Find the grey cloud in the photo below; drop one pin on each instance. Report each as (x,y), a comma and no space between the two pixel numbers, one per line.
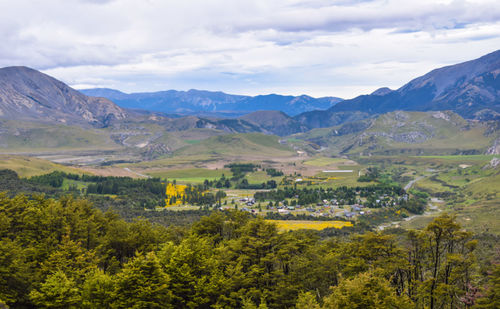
(335,18)
(236,45)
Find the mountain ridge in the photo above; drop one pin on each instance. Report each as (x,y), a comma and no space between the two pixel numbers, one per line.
(195,101)
(28,94)
(471,89)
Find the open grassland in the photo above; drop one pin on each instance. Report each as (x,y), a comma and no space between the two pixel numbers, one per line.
(335,179)
(36,137)
(172,162)
(238,145)
(292,225)
(427,164)
(325,161)
(481,216)
(488,186)
(193,175)
(432,187)
(261,176)
(462,158)
(30,166)
(178,139)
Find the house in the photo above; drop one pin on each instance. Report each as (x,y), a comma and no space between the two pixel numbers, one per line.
(348,214)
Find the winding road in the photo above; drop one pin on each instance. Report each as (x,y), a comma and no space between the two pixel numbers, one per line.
(411,183)
(138,174)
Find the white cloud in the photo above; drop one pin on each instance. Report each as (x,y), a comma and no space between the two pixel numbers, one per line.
(341,48)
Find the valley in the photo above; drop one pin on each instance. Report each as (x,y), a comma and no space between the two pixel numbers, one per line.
(360,178)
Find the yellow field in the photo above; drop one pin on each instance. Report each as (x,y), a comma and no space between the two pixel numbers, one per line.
(292,225)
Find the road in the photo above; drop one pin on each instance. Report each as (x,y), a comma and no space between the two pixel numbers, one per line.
(411,183)
(433,209)
(138,174)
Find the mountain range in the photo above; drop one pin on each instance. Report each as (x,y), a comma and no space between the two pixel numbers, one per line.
(471,89)
(213,103)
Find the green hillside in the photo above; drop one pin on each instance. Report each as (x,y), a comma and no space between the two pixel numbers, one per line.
(30,166)
(409,133)
(247,144)
(30,136)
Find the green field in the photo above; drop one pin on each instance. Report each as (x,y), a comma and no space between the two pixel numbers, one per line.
(193,175)
(324,161)
(260,177)
(462,157)
(241,145)
(30,166)
(28,137)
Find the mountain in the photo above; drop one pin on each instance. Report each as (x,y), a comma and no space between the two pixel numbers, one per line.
(471,89)
(26,94)
(275,122)
(224,125)
(200,101)
(409,133)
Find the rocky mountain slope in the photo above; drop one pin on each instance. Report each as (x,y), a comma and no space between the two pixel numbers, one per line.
(275,122)
(409,133)
(198,101)
(26,94)
(471,89)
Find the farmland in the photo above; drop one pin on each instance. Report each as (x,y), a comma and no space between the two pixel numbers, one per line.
(292,225)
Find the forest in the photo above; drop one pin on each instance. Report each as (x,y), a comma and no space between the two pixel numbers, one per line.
(65,253)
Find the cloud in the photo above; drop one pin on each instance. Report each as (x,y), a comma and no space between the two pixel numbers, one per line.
(317,47)
(369,15)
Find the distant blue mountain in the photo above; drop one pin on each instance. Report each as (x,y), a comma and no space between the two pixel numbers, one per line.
(199,101)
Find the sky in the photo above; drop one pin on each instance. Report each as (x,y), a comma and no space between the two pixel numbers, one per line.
(337,48)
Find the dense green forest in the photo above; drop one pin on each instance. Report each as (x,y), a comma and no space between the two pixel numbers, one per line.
(147,193)
(65,253)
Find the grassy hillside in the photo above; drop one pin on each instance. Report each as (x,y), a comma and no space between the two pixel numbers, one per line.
(30,166)
(191,175)
(409,133)
(178,139)
(248,144)
(29,136)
